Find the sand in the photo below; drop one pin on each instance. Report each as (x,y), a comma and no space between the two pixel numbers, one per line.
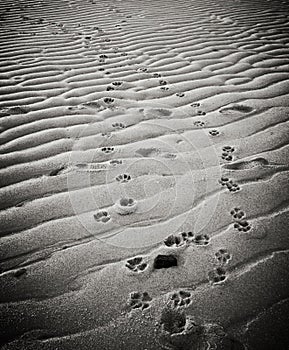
(144,175)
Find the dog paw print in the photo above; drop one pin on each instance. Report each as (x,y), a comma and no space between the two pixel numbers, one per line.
(136,264)
(217,276)
(117,83)
(201,239)
(102,216)
(230,184)
(180,94)
(101,69)
(107,150)
(214,132)
(126,206)
(237,213)
(156,75)
(163,82)
(118,125)
(242,225)
(195,104)
(123,54)
(142,70)
(106,134)
(223,256)
(108,100)
(139,300)
(164,88)
(181,299)
(201,113)
(123,178)
(227,153)
(174,241)
(199,123)
(115,162)
(109,88)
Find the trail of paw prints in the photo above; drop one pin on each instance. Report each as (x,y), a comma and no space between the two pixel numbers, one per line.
(102,217)
(199,111)
(223,256)
(230,184)
(218,275)
(240,222)
(136,264)
(227,153)
(187,238)
(123,178)
(181,299)
(138,300)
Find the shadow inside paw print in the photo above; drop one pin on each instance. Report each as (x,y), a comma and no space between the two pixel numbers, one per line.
(223,256)
(227,153)
(214,132)
(136,264)
(180,299)
(107,149)
(108,100)
(199,123)
(123,178)
(218,275)
(118,126)
(139,300)
(180,94)
(102,216)
(231,186)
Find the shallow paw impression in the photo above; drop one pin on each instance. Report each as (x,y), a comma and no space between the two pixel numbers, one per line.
(118,125)
(108,100)
(165,261)
(186,238)
(240,223)
(123,178)
(223,256)
(139,300)
(230,184)
(199,123)
(218,275)
(102,216)
(201,239)
(227,153)
(107,149)
(180,94)
(136,264)
(214,132)
(181,298)
(126,206)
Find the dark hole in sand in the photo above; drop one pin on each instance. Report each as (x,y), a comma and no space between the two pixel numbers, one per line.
(165,261)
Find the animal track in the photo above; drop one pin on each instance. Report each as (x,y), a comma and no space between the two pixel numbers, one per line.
(195,104)
(240,224)
(142,69)
(218,275)
(227,153)
(118,125)
(115,162)
(164,88)
(163,82)
(180,94)
(214,132)
(186,238)
(231,186)
(125,206)
(123,178)
(223,256)
(199,123)
(201,113)
(108,100)
(109,88)
(102,216)
(117,83)
(139,300)
(107,149)
(136,264)
(156,75)
(180,299)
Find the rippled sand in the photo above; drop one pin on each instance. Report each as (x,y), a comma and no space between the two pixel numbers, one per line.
(144,175)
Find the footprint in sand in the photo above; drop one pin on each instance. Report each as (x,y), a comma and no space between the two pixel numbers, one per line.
(102,216)
(187,238)
(230,184)
(117,83)
(108,100)
(214,132)
(217,276)
(110,88)
(138,300)
(156,75)
(115,162)
(180,94)
(163,82)
(136,264)
(223,256)
(201,113)
(181,299)
(123,178)
(227,153)
(126,206)
(240,223)
(199,123)
(118,126)
(195,104)
(164,88)
(107,150)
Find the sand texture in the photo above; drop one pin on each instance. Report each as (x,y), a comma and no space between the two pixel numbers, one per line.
(144,163)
